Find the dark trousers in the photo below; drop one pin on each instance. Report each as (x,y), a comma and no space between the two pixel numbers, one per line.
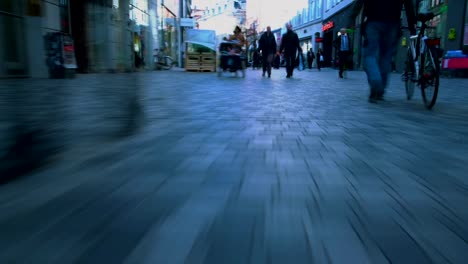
(266,63)
(343,57)
(290,61)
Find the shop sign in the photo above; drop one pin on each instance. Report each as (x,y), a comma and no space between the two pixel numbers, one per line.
(329,25)
(68,51)
(187,22)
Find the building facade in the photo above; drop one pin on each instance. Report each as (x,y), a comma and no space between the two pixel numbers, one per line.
(308,24)
(336,16)
(23,25)
(109,35)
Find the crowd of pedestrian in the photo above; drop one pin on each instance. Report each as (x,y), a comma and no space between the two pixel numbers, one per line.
(380,30)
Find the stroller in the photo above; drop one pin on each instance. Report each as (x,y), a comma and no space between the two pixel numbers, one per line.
(231,58)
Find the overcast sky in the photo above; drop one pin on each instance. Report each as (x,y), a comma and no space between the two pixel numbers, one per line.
(274,13)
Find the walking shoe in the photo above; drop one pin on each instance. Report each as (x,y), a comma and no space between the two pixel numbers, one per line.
(372,99)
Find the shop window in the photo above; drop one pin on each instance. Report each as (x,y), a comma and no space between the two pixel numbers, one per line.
(7,6)
(465,37)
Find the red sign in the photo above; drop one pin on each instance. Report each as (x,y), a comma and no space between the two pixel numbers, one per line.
(318,40)
(68,48)
(329,25)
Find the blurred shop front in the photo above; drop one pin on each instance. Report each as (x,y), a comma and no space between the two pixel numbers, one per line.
(23,25)
(12,38)
(169,29)
(140,20)
(331,30)
(112,36)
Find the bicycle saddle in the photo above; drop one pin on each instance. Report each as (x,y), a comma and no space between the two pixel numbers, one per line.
(424,17)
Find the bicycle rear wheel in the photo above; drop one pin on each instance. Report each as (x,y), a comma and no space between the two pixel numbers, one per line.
(430,77)
(409,76)
(166,63)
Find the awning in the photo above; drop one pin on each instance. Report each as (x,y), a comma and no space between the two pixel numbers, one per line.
(211,46)
(206,38)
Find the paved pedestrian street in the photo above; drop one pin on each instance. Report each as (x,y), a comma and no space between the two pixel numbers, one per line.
(247,170)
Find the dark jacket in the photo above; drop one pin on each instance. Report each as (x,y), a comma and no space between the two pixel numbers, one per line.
(337,43)
(267,43)
(310,56)
(290,43)
(383,10)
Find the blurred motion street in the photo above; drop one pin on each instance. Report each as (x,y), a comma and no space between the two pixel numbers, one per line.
(186,167)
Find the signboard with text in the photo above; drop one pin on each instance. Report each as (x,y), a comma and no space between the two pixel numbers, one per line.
(327,26)
(187,22)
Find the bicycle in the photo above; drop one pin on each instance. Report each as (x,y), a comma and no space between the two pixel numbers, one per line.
(162,61)
(423,63)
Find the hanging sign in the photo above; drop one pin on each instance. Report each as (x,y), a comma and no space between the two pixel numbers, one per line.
(329,25)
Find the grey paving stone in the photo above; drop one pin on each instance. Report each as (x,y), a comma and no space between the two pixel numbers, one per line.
(233,170)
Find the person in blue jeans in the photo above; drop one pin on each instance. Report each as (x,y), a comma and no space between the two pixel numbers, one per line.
(380,29)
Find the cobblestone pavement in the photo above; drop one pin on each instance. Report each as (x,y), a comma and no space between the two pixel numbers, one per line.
(254,170)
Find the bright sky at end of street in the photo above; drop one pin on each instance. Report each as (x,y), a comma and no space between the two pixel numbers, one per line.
(274,13)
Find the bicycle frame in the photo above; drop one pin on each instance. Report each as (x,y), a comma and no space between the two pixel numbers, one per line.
(423,66)
(417,48)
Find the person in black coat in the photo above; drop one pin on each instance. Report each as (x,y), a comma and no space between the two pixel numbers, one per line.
(267,45)
(310,57)
(343,46)
(289,48)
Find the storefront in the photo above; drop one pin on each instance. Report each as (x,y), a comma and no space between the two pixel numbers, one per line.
(327,42)
(465,38)
(330,30)
(12,39)
(306,44)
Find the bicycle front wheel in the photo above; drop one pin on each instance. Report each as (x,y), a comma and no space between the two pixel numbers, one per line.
(430,77)
(166,63)
(409,76)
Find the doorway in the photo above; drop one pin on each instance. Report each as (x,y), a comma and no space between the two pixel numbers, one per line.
(12,45)
(328,48)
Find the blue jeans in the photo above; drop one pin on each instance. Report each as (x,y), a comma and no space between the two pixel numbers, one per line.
(379,45)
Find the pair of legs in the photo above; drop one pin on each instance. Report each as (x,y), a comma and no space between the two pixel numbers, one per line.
(343,57)
(289,65)
(379,45)
(267,61)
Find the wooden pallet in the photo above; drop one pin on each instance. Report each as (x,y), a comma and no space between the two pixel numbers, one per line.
(200,62)
(211,69)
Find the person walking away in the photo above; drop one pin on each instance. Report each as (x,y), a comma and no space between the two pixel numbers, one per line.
(310,57)
(381,27)
(343,47)
(289,48)
(320,58)
(267,45)
(256,60)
